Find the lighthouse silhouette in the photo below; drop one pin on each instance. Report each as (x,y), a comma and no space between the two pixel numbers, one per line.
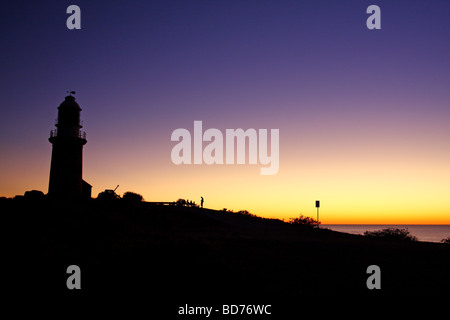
(66,171)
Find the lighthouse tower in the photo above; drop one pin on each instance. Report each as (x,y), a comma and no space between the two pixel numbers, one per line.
(66,182)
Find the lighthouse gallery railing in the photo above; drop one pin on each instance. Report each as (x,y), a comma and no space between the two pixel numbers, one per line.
(54,133)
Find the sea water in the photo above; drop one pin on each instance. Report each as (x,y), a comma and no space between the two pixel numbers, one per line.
(430,233)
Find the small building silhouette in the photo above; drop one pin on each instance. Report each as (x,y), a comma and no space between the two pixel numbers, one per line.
(66,170)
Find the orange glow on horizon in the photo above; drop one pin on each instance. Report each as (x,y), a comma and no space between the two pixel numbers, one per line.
(358,180)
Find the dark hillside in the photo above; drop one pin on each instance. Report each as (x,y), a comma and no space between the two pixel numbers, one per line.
(190,253)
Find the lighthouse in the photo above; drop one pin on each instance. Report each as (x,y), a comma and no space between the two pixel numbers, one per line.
(66,171)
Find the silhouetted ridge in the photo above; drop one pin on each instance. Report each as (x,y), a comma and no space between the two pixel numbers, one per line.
(125,247)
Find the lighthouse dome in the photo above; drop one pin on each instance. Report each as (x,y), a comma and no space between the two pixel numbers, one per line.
(69,103)
(69,115)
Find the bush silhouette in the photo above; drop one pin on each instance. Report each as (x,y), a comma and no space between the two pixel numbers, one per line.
(446,240)
(248,214)
(132,197)
(186,203)
(306,221)
(108,195)
(391,234)
(34,195)
(181,202)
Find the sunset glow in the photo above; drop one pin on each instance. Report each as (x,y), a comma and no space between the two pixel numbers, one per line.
(363,116)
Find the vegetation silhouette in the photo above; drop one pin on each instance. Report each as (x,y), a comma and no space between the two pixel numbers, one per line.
(391,234)
(185,203)
(304,221)
(108,194)
(34,195)
(132,197)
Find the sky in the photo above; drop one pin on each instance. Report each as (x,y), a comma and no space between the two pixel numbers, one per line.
(363,115)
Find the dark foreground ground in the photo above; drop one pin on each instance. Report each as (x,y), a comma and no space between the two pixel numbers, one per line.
(175,256)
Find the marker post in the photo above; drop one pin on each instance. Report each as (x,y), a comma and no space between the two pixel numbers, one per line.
(317,206)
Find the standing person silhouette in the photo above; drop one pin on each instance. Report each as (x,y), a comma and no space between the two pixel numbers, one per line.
(201,202)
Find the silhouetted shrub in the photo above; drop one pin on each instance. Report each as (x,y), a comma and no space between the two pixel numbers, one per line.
(186,203)
(132,197)
(108,195)
(246,213)
(446,240)
(34,195)
(192,204)
(391,234)
(306,221)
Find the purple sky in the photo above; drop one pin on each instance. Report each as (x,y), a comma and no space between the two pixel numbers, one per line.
(144,68)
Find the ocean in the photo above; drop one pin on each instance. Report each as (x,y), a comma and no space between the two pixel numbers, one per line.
(430,233)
